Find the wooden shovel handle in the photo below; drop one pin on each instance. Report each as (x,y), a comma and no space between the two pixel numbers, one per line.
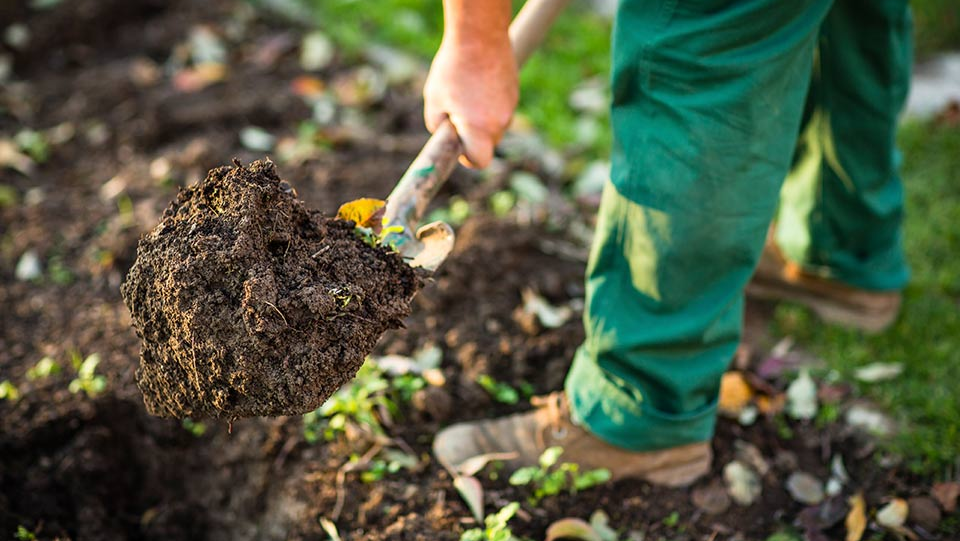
(430,169)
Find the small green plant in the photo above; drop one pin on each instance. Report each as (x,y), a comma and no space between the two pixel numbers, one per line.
(87,380)
(389,461)
(23,534)
(34,144)
(9,391)
(196,428)
(671,520)
(407,384)
(44,368)
(356,404)
(550,478)
(495,526)
(501,392)
(827,415)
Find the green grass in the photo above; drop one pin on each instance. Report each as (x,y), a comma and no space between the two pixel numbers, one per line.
(926,338)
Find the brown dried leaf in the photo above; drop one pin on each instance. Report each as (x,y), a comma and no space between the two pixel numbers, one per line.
(856,521)
(946,494)
(735,393)
(364,212)
(572,528)
(472,493)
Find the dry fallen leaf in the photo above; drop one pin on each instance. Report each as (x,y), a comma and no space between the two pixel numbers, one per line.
(878,372)
(947,494)
(472,493)
(802,397)
(856,521)
(735,393)
(550,316)
(771,405)
(894,514)
(307,87)
(364,212)
(199,77)
(571,528)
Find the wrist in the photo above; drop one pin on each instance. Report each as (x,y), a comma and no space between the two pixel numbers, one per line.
(475,23)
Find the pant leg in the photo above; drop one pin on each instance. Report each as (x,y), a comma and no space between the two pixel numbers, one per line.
(842,205)
(707,100)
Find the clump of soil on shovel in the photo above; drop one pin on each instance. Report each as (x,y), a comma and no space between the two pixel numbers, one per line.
(250,304)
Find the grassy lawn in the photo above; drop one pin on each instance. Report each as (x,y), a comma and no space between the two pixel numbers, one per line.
(927,337)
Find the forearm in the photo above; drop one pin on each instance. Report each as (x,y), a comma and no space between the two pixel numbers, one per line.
(476,22)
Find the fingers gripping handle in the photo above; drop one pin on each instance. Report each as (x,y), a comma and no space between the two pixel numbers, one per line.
(409,199)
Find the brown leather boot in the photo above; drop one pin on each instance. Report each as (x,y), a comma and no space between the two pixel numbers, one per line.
(776,278)
(525,436)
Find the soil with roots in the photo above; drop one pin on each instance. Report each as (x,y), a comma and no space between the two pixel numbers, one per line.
(249,304)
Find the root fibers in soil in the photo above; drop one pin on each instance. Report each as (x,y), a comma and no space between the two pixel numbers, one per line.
(248,303)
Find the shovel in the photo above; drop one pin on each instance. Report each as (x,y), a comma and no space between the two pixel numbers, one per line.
(409,199)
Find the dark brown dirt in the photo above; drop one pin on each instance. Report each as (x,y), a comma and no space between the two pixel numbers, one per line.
(92,468)
(249,304)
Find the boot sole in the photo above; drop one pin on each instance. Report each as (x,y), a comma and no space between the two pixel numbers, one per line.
(827,309)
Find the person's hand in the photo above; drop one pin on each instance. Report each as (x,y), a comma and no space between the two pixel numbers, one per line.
(473,82)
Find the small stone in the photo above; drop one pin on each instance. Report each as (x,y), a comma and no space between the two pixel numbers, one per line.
(786,460)
(743,484)
(924,511)
(711,499)
(750,455)
(435,402)
(805,488)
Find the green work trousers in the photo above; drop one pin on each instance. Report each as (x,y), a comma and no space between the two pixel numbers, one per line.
(715,103)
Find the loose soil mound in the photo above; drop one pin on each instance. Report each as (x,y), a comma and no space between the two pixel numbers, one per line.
(250,304)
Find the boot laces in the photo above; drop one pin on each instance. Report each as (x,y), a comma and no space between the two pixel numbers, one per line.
(556,410)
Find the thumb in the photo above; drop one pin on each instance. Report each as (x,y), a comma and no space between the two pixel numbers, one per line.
(478,145)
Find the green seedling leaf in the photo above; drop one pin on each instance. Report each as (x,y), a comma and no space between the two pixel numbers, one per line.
(34,144)
(87,380)
(524,476)
(44,368)
(550,456)
(8,196)
(196,428)
(502,202)
(23,534)
(592,478)
(671,520)
(9,391)
(501,392)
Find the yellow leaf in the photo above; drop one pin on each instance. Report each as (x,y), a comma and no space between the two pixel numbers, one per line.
(735,393)
(364,212)
(771,405)
(857,517)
